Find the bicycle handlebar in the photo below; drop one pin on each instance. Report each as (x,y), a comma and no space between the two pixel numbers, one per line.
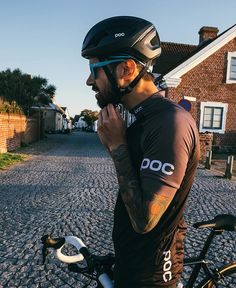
(77,243)
(94,263)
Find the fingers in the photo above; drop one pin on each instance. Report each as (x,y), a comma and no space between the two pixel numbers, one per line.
(111,110)
(104,114)
(118,113)
(114,112)
(99,119)
(108,114)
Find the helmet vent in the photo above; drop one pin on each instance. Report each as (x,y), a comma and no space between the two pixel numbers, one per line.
(154,41)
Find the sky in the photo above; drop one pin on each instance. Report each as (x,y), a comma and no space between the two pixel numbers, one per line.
(44,37)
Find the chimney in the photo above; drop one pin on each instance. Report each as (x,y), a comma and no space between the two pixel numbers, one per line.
(206,33)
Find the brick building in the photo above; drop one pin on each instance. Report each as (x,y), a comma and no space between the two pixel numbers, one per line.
(203,77)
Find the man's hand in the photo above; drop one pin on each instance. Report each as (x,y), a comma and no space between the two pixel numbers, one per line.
(111,128)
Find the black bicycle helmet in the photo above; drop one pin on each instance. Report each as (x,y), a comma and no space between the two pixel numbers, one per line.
(119,36)
(123,35)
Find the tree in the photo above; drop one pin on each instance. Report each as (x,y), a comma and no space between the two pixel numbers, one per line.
(24,89)
(89,117)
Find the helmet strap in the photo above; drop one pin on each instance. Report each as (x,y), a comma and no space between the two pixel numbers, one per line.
(111,78)
(130,87)
(122,91)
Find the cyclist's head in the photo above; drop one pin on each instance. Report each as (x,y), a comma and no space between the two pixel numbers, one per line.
(117,39)
(123,35)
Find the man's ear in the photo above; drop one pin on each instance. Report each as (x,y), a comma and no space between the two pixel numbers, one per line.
(128,69)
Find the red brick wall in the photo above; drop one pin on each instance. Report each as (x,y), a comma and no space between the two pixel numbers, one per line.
(206,82)
(15,130)
(205,144)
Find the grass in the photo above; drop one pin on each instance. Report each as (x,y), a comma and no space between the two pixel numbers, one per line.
(7,159)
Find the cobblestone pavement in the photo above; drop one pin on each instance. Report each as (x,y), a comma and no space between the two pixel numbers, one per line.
(69,187)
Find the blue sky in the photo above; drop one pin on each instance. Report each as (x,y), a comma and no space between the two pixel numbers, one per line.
(44,37)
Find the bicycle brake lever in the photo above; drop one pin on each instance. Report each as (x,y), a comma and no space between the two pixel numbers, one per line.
(49,242)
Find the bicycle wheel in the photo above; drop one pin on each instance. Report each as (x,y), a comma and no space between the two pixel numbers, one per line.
(226,278)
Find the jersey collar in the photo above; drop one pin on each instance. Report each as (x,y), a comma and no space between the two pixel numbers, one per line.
(145,107)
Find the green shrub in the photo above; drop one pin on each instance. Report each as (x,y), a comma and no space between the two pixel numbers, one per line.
(12,108)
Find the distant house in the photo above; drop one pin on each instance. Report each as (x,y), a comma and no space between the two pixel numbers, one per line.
(80,123)
(53,120)
(203,77)
(49,117)
(67,123)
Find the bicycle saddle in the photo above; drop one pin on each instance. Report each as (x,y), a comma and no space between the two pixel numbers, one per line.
(220,222)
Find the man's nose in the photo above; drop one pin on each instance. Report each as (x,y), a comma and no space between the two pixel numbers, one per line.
(90,80)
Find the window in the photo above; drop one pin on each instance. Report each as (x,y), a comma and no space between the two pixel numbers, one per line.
(231,68)
(213,117)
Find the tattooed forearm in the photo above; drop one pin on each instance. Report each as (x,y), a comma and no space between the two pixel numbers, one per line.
(157,208)
(144,208)
(129,185)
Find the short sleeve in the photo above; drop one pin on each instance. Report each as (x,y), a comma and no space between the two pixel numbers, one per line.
(167,147)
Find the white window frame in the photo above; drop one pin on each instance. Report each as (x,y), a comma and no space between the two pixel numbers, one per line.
(213,104)
(229,58)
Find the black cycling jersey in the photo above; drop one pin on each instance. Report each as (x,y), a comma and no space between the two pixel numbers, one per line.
(164,148)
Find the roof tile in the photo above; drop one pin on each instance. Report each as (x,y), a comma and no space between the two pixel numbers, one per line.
(172,55)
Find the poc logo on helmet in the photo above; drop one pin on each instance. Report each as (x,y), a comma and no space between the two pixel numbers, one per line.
(157,165)
(119,34)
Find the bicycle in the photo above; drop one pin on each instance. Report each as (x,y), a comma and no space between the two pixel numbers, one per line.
(99,268)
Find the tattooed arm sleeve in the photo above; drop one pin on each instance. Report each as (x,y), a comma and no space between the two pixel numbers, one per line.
(144,207)
(148,193)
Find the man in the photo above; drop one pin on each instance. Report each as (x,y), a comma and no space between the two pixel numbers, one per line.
(155,158)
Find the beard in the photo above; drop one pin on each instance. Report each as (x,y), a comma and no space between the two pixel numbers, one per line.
(108,96)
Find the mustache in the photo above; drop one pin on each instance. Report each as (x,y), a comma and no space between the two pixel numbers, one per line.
(95,89)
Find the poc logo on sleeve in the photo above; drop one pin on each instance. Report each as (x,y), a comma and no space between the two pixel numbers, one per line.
(122,34)
(157,165)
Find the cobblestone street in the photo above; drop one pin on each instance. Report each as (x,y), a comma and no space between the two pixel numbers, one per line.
(68,187)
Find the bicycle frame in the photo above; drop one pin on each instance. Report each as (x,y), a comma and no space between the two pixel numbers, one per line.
(201,262)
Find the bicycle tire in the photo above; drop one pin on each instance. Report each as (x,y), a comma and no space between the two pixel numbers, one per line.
(227,272)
